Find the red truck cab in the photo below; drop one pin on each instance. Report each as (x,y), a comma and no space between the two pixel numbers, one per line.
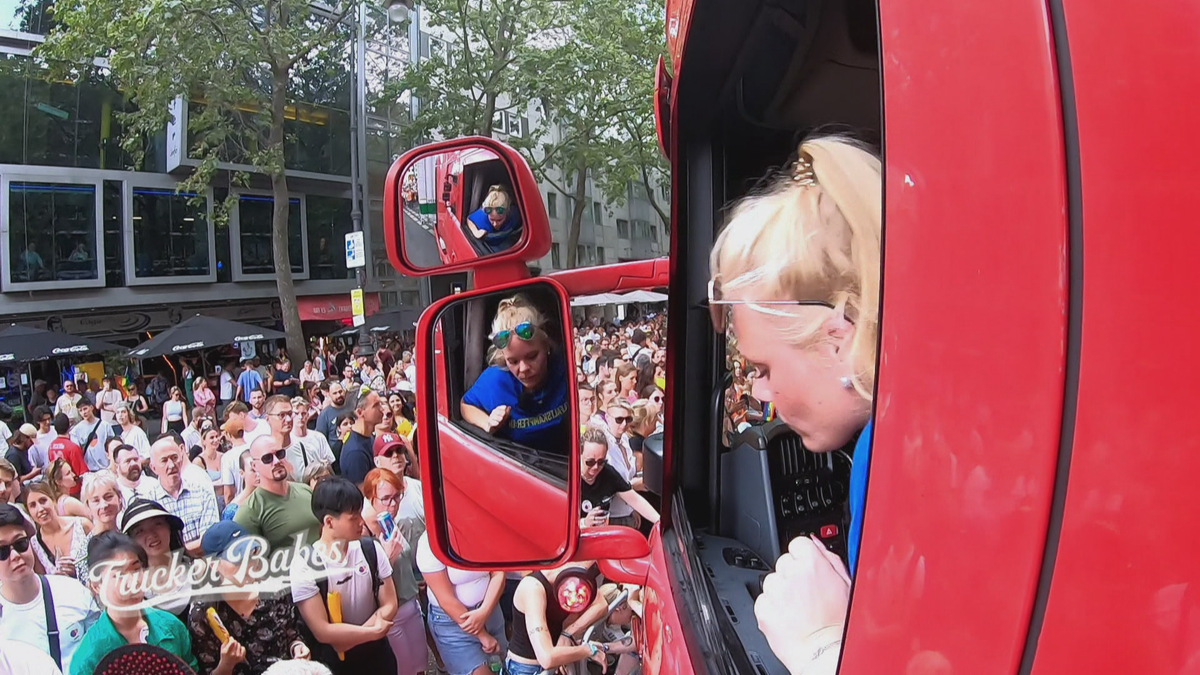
(1031,479)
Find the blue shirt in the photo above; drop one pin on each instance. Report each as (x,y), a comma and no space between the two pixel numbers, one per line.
(358,457)
(249,380)
(497,239)
(858,493)
(536,418)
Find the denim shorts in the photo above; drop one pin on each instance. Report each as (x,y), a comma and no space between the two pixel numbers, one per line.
(461,651)
(516,668)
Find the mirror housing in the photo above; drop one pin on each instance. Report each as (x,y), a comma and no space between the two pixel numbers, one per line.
(493,502)
(433,202)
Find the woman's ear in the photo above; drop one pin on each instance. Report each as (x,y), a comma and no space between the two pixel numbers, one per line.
(839,333)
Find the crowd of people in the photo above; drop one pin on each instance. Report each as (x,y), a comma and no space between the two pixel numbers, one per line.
(322,458)
(620,379)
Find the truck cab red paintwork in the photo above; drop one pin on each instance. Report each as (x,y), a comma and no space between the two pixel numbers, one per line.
(1031,495)
(457,200)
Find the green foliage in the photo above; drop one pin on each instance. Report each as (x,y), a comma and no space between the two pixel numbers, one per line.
(588,64)
(235,64)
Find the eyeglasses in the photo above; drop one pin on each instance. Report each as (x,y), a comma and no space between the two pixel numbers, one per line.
(394,453)
(717,304)
(589,463)
(270,457)
(393,499)
(281,415)
(622,419)
(523,330)
(20,546)
(498,210)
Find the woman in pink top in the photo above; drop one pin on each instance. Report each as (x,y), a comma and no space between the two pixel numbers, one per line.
(204,397)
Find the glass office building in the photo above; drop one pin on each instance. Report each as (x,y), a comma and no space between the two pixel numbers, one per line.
(85,233)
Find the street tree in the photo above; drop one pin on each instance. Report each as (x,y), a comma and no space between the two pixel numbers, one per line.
(595,90)
(477,68)
(235,65)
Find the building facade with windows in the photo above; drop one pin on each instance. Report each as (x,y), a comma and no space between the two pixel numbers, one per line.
(92,245)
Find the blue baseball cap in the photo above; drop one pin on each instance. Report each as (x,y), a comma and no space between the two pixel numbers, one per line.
(226,540)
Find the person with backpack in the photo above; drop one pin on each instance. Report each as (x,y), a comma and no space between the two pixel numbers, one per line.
(51,613)
(340,589)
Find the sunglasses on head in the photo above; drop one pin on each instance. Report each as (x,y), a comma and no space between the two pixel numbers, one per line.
(589,463)
(524,330)
(20,546)
(717,304)
(498,210)
(270,457)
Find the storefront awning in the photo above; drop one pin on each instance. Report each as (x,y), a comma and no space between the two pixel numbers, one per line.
(333,307)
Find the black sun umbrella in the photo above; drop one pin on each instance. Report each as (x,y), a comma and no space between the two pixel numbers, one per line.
(201,332)
(19,344)
(396,321)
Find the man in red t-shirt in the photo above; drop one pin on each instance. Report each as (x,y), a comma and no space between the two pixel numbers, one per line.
(62,447)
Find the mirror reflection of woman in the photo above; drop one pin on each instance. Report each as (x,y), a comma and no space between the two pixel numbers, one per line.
(496,224)
(523,396)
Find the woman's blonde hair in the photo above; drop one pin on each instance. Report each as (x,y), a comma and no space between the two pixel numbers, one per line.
(54,473)
(643,417)
(814,234)
(96,483)
(511,313)
(497,196)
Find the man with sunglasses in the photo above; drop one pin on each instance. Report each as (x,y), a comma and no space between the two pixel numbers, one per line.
(278,510)
(50,613)
(618,417)
(603,487)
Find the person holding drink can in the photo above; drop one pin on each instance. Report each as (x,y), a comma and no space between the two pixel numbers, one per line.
(602,483)
(384,491)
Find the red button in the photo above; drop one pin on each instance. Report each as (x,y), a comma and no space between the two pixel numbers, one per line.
(828,531)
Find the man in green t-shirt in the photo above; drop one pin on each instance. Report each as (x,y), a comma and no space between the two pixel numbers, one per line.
(278,510)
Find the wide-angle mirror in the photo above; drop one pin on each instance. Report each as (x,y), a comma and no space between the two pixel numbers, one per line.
(504,392)
(457,205)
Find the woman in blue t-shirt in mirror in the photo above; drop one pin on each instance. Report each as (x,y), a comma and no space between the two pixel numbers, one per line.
(522,396)
(496,224)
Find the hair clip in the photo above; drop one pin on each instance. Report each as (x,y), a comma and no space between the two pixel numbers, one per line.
(802,170)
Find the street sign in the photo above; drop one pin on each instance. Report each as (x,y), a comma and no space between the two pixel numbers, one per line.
(356,302)
(356,251)
(359,320)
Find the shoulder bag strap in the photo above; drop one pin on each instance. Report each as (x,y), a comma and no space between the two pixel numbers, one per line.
(371,556)
(51,622)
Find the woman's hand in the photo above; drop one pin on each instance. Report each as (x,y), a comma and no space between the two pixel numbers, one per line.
(232,653)
(498,417)
(596,517)
(472,621)
(489,643)
(65,566)
(300,651)
(803,605)
(600,656)
(393,547)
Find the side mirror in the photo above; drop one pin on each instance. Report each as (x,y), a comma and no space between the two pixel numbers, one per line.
(460,204)
(499,427)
